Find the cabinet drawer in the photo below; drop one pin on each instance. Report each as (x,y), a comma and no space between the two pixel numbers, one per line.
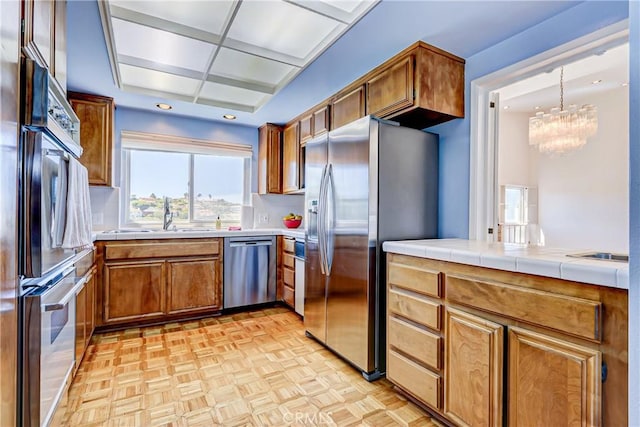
(288,295)
(419,381)
(288,245)
(575,316)
(288,260)
(416,279)
(288,276)
(419,310)
(160,250)
(416,342)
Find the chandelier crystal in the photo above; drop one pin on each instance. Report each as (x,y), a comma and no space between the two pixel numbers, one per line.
(560,130)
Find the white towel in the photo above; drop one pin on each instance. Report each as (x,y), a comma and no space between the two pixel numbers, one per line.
(77,232)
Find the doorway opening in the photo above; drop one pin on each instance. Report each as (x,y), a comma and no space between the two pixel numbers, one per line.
(572,200)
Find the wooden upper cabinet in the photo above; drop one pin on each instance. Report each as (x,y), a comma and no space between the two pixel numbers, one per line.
(194,284)
(39,27)
(96,135)
(552,381)
(290,159)
(347,107)
(420,87)
(44,37)
(270,159)
(321,121)
(60,43)
(473,370)
(306,128)
(392,89)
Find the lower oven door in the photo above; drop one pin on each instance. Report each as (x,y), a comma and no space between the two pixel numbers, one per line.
(49,327)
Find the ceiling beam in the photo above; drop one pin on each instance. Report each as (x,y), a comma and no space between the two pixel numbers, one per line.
(196,75)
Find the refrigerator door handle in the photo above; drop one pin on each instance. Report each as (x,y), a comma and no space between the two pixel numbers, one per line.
(321,221)
(330,225)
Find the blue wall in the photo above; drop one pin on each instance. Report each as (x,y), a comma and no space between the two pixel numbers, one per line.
(168,124)
(578,21)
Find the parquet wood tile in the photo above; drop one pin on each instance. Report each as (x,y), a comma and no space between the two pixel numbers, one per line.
(247,369)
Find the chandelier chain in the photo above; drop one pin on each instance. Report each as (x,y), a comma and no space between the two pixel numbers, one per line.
(561,88)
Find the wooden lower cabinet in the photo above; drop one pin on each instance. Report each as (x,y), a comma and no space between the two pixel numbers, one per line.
(288,269)
(193,284)
(85,315)
(134,291)
(552,381)
(154,281)
(504,356)
(473,369)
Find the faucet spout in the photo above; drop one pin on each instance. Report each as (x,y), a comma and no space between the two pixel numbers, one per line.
(167,217)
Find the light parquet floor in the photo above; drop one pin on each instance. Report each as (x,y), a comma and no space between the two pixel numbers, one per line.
(249,369)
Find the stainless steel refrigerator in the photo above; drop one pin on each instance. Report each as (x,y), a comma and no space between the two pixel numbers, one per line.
(366,182)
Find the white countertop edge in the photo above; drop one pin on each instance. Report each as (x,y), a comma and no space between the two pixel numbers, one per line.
(541,261)
(299,233)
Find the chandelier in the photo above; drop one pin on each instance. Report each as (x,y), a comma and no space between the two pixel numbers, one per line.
(560,130)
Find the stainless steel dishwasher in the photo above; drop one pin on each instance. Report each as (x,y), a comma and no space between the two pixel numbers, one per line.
(249,270)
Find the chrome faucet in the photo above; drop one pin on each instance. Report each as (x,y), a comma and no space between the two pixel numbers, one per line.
(167,218)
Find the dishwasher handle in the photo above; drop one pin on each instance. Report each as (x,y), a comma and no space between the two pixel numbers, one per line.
(254,243)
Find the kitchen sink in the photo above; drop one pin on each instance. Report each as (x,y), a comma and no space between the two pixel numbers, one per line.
(606,256)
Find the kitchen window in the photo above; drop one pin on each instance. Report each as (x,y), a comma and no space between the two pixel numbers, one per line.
(204,180)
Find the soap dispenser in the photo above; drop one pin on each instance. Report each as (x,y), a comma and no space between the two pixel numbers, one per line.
(218,223)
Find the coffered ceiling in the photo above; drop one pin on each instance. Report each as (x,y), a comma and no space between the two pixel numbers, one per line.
(228,54)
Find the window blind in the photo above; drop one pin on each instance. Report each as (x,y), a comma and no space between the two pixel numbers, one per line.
(155,142)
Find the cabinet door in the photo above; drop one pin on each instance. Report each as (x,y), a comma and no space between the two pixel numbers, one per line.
(60,44)
(473,369)
(290,151)
(90,318)
(81,310)
(134,291)
(552,382)
(306,128)
(321,121)
(269,159)
(194,284)
(96,135)
(39,30)
(347,108)
(391,90)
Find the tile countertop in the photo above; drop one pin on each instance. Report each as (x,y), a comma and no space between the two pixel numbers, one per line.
(132,234)
(538,260)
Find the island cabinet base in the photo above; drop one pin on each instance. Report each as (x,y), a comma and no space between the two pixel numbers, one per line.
(482,347)
(154,281)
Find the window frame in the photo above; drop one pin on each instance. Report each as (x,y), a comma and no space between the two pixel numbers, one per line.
(172,144)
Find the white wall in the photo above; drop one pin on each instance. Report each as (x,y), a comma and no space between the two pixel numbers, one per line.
(582,195)
(514,154)
(274,207)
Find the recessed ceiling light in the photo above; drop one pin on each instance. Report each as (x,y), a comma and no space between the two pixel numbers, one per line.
(625,84)
(537,107)
(163,106)
(506,107)
(229,117)
(595,82)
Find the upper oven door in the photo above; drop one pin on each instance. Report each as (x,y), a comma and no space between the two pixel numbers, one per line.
(43,204)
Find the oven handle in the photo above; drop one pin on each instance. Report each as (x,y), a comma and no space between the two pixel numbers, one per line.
(70,294)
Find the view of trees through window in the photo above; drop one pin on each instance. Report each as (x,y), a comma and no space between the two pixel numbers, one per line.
(215,184)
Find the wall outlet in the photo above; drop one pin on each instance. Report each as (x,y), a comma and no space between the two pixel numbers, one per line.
(263,218)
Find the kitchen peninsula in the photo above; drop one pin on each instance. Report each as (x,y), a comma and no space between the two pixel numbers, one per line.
(478,331)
